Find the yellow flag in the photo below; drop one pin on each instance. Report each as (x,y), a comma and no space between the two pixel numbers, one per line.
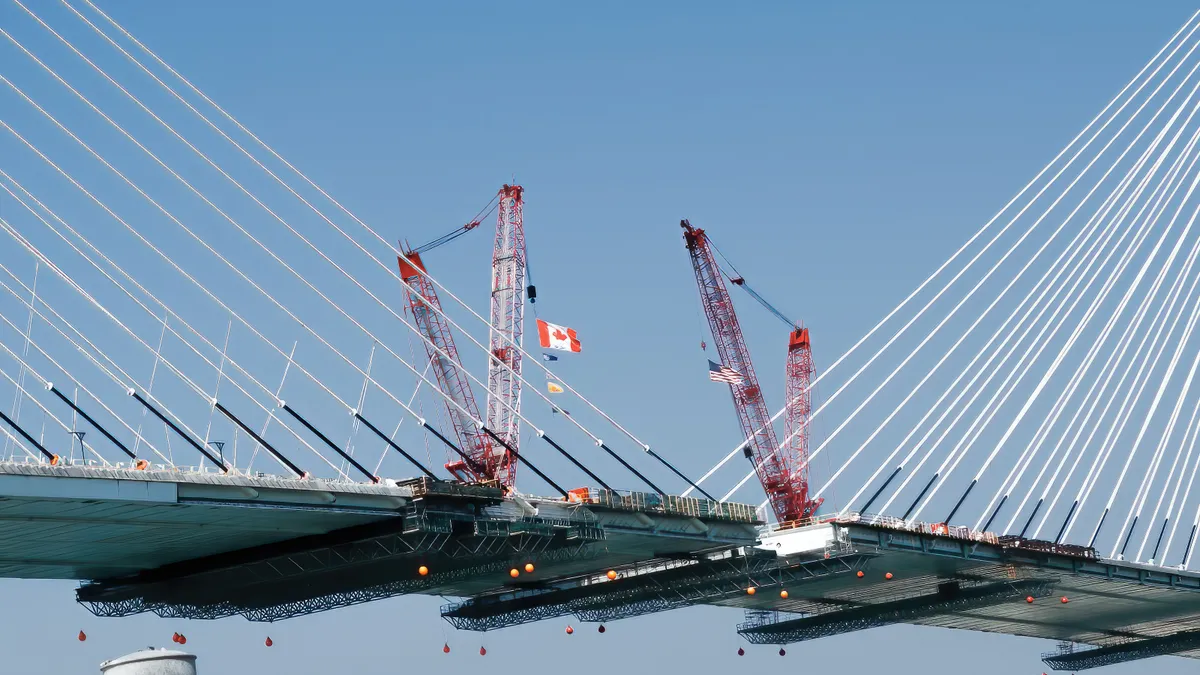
(554,388)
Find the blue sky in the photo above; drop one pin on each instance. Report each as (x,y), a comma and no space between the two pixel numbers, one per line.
(836,153)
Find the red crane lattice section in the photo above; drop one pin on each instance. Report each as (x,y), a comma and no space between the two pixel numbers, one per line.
(799,408)
(451,379)
(507,316)
(774,468)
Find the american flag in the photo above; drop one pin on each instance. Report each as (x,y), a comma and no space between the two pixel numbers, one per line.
(720,373)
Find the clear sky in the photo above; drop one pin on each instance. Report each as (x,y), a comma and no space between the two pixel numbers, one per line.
(838,153)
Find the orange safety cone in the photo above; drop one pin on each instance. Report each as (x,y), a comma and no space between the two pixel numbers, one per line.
(82,636)
(268,642)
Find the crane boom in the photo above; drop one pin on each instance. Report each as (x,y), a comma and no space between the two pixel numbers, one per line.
(507,315)
(420,296)
(799,382)
(775,469)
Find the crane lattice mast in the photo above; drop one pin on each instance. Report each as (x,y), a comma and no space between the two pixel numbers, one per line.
(420,296)
(775,469)
(799,409)
(508,311)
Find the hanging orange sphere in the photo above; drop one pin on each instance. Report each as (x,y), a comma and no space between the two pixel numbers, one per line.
(1065,600)
(570,631)
(601,629)
(82,636)
(781,652)
(612,575)
(888,576)
(175,638)
(783,594)
(1029,599)
(446,648)
(422,570)
(741,652)
(182,639)
(269,641)
(860,574)
(529,568)
(751,591)
(483,651)
(514,573)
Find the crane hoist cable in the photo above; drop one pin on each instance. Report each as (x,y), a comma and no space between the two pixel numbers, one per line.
(483,214)
(737,279)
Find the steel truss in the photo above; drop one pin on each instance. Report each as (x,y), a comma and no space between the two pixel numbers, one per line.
(1124,652)
(952,596)
(648,588)
(350,566)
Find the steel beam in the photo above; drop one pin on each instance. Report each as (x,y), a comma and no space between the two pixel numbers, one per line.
(1124,652)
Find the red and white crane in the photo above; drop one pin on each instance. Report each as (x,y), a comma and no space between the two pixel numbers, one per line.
(488,460)
(507,321)
(782,471)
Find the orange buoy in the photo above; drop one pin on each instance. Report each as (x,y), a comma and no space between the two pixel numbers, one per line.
(781,652)
(269,641)
(751,591)
(446,648)
(175,638)
(741,652)
(601,629)
(1029,599)
(570,631)
(82,636)
(783,594)
(422,570)
(182,639)
(612,575)
(1065,600)
(529,568)
(888,576)
(514,573)
(483,651)
(860,574)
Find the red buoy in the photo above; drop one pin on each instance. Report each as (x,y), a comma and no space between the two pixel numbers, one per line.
(446,648)
(483,651)
(741,652)
(269,641)
(182,639)
(860,574)
(1029,599)
(82,636)
(1065,600)
(175,638)
(888,576)
(601,629)
(570,631)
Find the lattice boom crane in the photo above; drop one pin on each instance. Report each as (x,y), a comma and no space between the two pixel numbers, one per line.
(782,471)
(507,315)
(475,443)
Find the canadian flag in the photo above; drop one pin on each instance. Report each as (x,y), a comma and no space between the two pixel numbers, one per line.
(553,336)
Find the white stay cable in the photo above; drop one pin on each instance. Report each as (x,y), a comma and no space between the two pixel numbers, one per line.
(938,271)
(1158,396)
(242,274)
(200,391)
(46,412)
(1101,342)
(47,383)
(1004,257)
(385,266)
(1189,431)
(1186,492)
(1057,268)
(1117,357)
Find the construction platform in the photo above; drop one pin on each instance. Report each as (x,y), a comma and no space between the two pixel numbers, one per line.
(857,573)
(205,545)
